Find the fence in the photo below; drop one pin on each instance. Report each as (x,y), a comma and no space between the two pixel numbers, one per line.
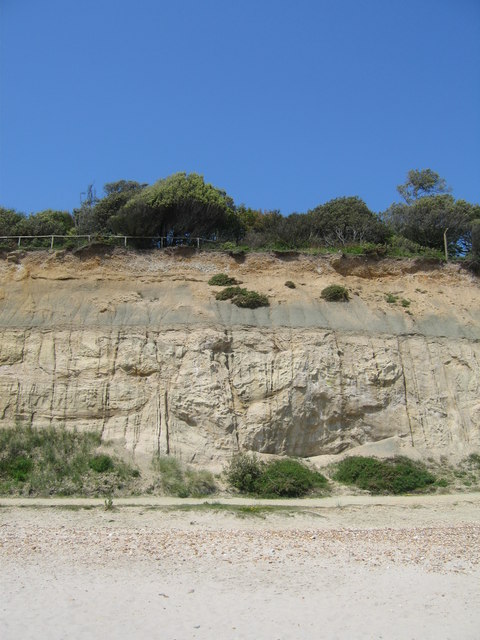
(159,241)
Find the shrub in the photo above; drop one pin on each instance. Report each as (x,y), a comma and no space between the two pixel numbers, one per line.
(396,475)
(243,472)
(221,280)
(290,284)
(20,468)
(243,297)
(288,479)
(250,300)
(335,293)
(101,463)
(229,293)
(390,298)
(281,478)
(405,303)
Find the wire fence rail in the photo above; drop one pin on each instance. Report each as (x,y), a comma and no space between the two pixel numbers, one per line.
(161,242)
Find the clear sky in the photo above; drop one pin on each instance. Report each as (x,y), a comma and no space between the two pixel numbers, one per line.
(284,104)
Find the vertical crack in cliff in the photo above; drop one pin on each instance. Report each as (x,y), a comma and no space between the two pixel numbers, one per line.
(341,381)
(54,374)
(167,426)
(158,427)
(106,391)
(233,399)
(405,391)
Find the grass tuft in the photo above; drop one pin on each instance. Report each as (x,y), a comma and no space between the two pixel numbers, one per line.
(173,479)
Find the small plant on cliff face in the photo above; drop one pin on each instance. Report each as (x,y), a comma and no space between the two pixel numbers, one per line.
(390,298)
(290,284)
(250,300)
(221,280)
(243,297)
(335,293)
(396,475)
(229,293)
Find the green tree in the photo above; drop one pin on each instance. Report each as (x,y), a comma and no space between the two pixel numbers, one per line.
(83,216)
(117,194)
(428,218)
(10,222)
(421,183)
(48,222)
(476,238)
(180,204)
(347,220)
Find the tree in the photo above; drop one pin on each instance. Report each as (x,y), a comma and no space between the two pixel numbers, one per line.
(10,221)
(476,238)
(421,183)
(83,216)
(180,204)
(347,220)
(48,222)
(427,220)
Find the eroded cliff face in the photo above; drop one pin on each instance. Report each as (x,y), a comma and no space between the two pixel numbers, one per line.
(135,346)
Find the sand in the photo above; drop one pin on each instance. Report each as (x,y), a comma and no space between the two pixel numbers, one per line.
(352,568)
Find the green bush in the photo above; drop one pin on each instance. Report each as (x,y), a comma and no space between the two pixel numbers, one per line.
(474,460)
(335,293)
(390,298)
(243,472)
(221,280)
(288,479)
(281,478)
(250,300)
(19,468)
(101,463)
(290,284)
(229,293)
(243,297)
(396,475)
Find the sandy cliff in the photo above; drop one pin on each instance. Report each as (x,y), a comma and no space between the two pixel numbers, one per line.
(135,346)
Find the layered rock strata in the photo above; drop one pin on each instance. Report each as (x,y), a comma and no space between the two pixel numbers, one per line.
(136,347)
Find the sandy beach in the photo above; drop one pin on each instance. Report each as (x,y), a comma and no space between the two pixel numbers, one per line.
(357,567)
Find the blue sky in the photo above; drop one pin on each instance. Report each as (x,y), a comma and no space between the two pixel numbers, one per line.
(285,105)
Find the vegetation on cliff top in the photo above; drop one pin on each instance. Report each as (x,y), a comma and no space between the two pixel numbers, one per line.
(185,206)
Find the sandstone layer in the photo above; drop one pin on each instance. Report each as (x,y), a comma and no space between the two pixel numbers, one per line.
(135,345)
